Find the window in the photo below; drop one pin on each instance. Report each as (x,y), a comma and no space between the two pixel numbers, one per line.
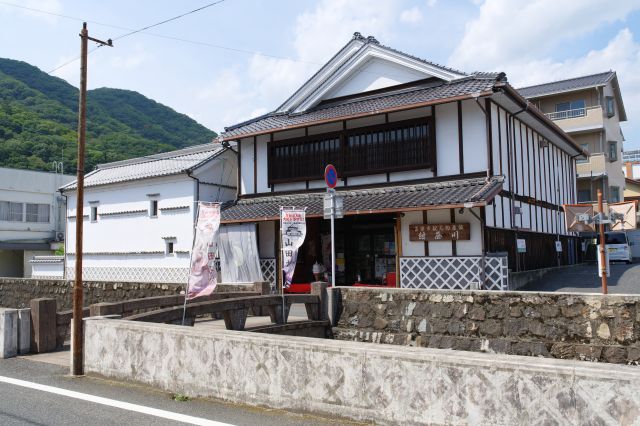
(169,246)
(38,213)
(611,107)
(585,147)
(153,208)
(614,194)
(11,212)
(94,213)
(570,109)
(377,149)
(615,238)
(584,195)
(613,151)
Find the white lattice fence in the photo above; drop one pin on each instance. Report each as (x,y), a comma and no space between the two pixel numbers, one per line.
(268,267)
(131,274)
(453,273)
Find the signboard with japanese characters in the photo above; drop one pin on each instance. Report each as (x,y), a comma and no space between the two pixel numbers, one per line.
(294,230)
(202,275)
(440,232)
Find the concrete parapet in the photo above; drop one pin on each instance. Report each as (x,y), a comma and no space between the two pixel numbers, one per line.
(43,325)
(24,331)
(8,332)
(384,384)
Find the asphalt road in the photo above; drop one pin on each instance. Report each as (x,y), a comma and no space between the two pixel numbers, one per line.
(624,279)
(25,406)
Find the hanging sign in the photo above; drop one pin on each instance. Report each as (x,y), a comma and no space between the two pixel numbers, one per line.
(559,246)
(440,232)
(293,228)
(202,274)
(522,245)
(331,176)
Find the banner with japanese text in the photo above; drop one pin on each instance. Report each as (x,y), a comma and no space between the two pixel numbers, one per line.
(293,228)
(202,272)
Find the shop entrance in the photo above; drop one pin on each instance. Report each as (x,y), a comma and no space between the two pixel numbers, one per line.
(365,250)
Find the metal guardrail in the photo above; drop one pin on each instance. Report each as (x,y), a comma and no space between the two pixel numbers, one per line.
(570,113)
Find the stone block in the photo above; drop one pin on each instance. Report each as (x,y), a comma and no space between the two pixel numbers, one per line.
(24,331)
(43,325)
(492,328)
(615,354)
(8,332)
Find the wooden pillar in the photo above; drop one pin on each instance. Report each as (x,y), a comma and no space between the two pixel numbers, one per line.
(398,229)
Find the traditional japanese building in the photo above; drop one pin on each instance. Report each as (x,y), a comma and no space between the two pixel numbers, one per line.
(442,171)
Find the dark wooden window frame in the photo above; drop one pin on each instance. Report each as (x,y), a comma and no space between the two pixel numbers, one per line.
(343,151)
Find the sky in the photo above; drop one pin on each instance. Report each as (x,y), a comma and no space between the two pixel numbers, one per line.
(242,58)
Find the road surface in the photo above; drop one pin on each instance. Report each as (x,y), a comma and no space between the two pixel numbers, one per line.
(37,393)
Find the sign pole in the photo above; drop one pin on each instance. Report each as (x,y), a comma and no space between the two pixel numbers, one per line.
(333,238)
(603,260)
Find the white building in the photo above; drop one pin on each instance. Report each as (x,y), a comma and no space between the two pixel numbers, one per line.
(415,143)
(139,213)
(31,218)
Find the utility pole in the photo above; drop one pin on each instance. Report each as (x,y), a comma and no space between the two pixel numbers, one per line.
(77,364)
(603,257)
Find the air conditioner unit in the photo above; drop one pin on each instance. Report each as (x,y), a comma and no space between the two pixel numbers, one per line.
(60,236)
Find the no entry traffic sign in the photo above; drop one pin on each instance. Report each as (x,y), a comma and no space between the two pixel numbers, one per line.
(330,176)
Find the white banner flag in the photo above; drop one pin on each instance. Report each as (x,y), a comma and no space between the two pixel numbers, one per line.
(293,229)
(202,273)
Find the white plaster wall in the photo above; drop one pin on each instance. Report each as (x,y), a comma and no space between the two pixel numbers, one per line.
(366,180)
(411,248)
(447,139)
(246,166)
(266,239)
(136,232)
(374,74)
(410,175)
(262,166)
(473,246)
(518,177)
(288,134)
(474,136)
(439,248)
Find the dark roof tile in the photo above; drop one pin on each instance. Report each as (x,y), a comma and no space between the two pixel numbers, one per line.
(566,85)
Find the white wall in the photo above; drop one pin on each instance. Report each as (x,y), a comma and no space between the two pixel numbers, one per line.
(411,248)
(447,139)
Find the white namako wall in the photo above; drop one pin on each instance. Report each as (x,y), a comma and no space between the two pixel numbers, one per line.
(125,235)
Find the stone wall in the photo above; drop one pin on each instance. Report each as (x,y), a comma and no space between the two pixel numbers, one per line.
(372,383)
(557,325)
(17,292)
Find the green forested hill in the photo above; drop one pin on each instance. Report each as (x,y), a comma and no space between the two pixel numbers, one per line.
(38,122)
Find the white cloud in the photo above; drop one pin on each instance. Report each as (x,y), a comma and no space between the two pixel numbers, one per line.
(239,93)
(411,16)
(431,3)
(506,29)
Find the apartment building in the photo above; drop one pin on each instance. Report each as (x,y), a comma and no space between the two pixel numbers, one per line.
(590,110)
(31,218)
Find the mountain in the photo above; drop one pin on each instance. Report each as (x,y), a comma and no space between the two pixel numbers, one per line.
(39,119)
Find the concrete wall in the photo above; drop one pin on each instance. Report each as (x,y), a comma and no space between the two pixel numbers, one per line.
(558,325)
(375,383)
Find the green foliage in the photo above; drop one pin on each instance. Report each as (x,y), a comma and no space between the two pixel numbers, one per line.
(38,122)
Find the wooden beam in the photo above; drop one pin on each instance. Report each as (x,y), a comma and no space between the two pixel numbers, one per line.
(460,140)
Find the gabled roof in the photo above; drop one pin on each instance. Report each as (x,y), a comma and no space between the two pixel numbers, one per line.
(438,194)
(162,164)
(368,104)
(348,61)
(577,83)
(584,82)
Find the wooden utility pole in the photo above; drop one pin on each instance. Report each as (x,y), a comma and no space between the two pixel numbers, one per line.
(77,365)
(603,246)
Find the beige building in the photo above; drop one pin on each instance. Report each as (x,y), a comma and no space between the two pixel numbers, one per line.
(590,110)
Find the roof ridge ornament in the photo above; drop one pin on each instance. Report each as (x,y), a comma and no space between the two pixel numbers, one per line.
(357,36)
(373,40)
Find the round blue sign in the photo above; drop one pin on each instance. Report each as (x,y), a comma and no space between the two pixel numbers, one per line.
(330,176)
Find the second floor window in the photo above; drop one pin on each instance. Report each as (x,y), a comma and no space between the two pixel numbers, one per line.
(153,208)
(94,214)
(570,109)
(613,151)
(614,194)
(38,213)
(11,212)
(385,148)
(611,107)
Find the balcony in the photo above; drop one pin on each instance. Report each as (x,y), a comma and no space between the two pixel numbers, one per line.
(581,119)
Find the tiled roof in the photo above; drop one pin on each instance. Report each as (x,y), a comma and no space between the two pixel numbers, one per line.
(475,83)
(566,85)
(167,163)
(391,198)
